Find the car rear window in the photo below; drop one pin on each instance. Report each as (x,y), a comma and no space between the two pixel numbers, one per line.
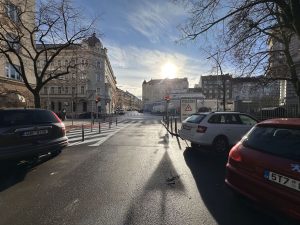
(25,117)
(281,141)
(195,118)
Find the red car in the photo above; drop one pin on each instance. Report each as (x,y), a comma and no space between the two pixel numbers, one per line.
(265,165)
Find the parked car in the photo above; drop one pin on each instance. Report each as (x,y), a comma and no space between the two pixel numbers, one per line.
(30,132)
(218,129)
(265,165)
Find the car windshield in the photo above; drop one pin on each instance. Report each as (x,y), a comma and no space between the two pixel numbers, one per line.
(195,118)
(10,118)
(280,141)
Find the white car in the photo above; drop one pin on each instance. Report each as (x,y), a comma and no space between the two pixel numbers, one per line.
(218,129)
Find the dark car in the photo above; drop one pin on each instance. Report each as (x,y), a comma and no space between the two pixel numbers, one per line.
(28,133)
(265,165)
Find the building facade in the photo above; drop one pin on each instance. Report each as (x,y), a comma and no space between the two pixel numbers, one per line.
(279,69)
(128,101)
(91,79)
(13,92)
(156,90)
(212,86)
(252,88)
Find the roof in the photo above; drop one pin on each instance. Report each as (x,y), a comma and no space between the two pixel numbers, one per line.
(93,40)
(282,121)
(157,81)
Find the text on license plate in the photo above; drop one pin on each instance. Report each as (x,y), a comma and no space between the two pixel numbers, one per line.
(35,132)
(283,180)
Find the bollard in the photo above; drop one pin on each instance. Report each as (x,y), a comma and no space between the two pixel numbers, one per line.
(92,126)
(82,133)
(99,127)
(171,125)
(168,122)
(116,121)
(176,131)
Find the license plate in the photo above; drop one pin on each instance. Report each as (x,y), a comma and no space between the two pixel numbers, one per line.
(283,180)
(34,133)
(186,127)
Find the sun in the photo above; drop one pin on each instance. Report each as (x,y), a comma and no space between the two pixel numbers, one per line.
(168,70)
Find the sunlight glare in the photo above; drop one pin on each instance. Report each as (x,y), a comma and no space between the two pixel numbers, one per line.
(169,70)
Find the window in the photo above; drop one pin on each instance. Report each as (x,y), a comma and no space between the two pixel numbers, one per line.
(52,90)
(12,11)
(82,90)
(58,63)
(195,118)
(52,106)
(59,90)
(13,41)
(67,90)
(282,141)
(11,71)
(217,119)
(247,120)
(84,107)
(66,62)
(45,90)
(59,106)
(98,77)
(98,91)
(73,90)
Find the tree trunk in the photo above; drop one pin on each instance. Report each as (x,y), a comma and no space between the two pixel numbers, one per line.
(37,100)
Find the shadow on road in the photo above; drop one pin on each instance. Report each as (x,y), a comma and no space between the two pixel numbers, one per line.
(208,170)
(13,172)
(154,197)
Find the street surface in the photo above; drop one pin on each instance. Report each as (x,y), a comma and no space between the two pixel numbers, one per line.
(133,173)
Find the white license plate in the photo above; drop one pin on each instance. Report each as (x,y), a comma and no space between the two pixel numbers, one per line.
(186,127)
(34,133)
(283,180)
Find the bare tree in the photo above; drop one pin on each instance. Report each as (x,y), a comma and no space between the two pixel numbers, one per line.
(249,27)
(33,34)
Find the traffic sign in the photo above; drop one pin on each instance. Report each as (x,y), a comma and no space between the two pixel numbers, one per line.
(188,106)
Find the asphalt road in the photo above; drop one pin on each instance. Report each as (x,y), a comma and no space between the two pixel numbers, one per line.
(139,175)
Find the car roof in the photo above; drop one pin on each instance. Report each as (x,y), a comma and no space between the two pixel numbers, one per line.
(282,121)
(219,112)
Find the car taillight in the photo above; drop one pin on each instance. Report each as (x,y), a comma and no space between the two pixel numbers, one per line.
(201,129)
(61,123)
(235,153)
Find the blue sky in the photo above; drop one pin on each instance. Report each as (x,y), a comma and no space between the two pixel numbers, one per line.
(140,36)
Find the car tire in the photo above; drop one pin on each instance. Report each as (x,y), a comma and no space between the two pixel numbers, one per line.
(194,145)
(220,144)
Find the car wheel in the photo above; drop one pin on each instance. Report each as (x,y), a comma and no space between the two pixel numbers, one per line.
(220,144)
(194,145)
(56,152)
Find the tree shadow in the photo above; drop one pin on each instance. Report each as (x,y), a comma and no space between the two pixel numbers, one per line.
(208,170)
(163,181)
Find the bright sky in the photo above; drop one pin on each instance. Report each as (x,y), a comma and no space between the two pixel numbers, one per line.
(140,37)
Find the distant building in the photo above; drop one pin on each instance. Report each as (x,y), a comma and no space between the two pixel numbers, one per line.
(252,88)
(13,92)
(156,90)
(91,79)
(212,86)
(127,101)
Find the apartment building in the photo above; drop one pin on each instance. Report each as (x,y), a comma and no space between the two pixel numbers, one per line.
(89,87)
(13,92)
(156,89)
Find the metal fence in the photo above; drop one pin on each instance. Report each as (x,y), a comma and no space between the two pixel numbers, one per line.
(267,109)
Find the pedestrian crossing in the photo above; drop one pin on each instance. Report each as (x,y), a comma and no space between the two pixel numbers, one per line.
(93,138)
